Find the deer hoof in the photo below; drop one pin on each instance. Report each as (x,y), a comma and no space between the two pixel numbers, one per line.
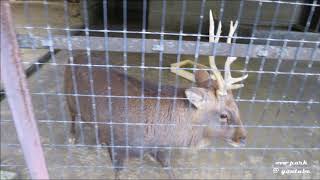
(72,140)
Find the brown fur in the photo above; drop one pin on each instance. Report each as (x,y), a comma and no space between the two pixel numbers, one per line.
(184,116)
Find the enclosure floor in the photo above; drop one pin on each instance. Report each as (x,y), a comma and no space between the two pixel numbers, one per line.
(265,146)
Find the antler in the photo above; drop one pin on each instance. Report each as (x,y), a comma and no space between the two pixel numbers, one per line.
(228,83)
(215,71)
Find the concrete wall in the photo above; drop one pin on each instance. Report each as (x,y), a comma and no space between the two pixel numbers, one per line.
(231,9)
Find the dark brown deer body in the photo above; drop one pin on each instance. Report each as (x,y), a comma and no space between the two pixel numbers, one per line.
(199,113)
(184,117)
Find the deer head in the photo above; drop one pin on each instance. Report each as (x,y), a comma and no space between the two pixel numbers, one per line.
(213,98)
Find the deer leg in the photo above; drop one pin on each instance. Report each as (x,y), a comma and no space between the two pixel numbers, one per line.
(163,158)
(72,138)
(116,157)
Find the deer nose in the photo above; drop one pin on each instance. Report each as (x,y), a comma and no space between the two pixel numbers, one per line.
(242,140)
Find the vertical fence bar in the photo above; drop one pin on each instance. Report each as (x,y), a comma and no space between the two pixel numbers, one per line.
(158,104)
(40,82)
(89,63)
(261,68)
(125,69)
(109,81)
(70,57)
(249,50)
(293,68)
(196,58)
(142,73)
(19,99)
(177,81)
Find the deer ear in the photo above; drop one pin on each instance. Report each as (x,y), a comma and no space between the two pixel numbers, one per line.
(201,76)
(204,80)
(197,96)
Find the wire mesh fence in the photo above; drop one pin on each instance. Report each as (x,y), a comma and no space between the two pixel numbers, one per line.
(106,68)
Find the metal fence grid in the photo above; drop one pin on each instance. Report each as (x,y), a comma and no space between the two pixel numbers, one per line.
(279,104)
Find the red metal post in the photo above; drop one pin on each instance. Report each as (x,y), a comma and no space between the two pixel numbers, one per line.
(14,81)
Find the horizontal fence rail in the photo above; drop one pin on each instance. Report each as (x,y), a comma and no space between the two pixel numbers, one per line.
(171,47)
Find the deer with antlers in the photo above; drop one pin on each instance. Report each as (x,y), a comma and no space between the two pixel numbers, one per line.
(213,112)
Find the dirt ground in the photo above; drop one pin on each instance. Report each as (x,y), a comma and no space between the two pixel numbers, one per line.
(281,131)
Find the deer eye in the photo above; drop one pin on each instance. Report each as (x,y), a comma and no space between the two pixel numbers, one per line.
(223,116)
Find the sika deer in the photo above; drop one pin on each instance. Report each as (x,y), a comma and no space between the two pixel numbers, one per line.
(212,105)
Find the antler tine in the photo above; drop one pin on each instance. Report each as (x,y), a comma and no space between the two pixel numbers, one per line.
(232,30)
(229,80)
(218,32)
(215,71)
(211,27)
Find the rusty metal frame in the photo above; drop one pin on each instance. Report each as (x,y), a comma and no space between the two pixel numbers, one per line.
(171,47)
(14,81)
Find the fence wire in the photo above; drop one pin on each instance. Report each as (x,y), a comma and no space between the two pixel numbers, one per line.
(279,104)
